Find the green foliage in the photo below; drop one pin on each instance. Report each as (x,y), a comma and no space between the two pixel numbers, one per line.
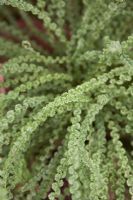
(66,116)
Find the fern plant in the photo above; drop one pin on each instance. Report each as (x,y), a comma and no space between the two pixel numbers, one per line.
(66,102)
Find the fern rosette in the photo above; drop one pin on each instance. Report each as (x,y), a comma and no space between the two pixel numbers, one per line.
(66,117)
